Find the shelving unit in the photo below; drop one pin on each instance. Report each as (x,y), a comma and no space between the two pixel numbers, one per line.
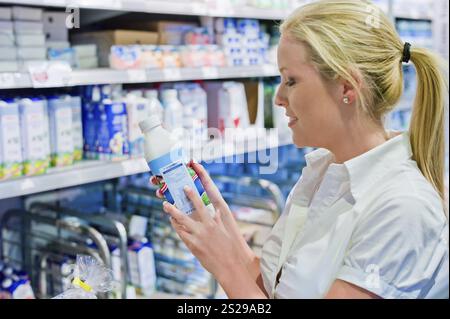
(111,76)
(192,8)
(90,171)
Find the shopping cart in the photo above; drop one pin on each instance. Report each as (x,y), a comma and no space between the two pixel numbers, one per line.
(37,243)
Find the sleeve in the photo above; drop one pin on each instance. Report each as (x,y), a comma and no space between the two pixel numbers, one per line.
(398,250)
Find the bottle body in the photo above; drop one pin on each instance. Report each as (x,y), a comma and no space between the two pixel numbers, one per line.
(168,162)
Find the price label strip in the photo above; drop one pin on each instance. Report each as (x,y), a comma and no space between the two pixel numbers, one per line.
(49,73)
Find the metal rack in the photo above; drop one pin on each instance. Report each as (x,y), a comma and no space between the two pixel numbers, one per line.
(33,242)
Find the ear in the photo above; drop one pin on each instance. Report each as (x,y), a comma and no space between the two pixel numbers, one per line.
(349,90)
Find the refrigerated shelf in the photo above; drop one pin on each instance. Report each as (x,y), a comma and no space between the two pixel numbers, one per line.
(111,76)
(90,171)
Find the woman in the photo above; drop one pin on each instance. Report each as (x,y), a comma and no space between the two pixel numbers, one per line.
(367,217)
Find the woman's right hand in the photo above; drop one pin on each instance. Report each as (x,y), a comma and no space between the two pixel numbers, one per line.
(219,203)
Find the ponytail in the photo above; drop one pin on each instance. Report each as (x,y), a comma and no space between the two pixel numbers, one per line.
(427,121)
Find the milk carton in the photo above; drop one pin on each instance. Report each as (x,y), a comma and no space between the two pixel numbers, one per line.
(10,140)
(33,131)
(77,128)
(61,138)
(112,132)
(141,263)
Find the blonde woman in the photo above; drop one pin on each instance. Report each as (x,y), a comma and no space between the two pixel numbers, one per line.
(367,218)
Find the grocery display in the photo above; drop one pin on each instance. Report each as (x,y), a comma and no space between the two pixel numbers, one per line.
(82,108)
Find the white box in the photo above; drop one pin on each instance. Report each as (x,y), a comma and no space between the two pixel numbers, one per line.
(57,45)
(85,50)
(31,53)
(8,53)
(5,13)
(7,40)
(86,63)
(30,40)
(21,27)
(9,66)
(6,27)
(27,13)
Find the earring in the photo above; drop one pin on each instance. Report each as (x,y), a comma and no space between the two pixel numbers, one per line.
(346,100)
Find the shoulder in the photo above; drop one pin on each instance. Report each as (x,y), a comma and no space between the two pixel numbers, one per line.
(403,197)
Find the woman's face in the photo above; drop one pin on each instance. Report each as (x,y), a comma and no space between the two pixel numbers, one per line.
(315,107)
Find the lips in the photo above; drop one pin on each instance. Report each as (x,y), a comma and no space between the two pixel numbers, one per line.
(292,120)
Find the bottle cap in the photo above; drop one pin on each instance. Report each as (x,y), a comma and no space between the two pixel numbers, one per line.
(150,123)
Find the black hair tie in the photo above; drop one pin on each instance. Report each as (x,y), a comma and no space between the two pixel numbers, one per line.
(406,53)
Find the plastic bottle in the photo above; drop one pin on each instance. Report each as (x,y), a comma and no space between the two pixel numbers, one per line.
(166,160)
(173,111)
(155,107)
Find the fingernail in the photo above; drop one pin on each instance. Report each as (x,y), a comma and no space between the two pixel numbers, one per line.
(186,188)
(165,205)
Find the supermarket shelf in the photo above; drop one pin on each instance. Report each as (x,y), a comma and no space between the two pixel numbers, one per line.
(194,8)
(78,174)
(93,171)
(111,76)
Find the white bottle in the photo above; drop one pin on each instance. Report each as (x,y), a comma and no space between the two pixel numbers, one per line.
(173,111)
(155,107)
(166,160)
(137,109)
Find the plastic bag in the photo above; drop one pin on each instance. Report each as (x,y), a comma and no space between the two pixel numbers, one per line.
(88,278)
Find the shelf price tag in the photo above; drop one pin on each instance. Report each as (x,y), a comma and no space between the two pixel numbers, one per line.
(7,80)
(210,72)
(172,74)
(49,73)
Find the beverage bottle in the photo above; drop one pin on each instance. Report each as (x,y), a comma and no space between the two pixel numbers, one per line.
(167,161)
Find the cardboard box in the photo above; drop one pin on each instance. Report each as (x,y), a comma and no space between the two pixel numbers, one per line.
(106,39)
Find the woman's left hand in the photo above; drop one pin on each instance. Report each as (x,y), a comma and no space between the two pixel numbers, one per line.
(205,236)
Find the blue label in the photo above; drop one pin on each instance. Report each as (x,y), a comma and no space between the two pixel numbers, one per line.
(164,160)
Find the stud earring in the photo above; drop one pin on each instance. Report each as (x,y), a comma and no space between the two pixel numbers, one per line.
(346,100)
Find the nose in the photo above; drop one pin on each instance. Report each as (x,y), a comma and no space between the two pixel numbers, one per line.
(280,99)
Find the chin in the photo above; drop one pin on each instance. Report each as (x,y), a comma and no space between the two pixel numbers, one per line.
(298,140)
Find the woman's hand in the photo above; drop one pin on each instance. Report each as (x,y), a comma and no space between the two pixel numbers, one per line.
(216,241)
(227,218)
(206,237)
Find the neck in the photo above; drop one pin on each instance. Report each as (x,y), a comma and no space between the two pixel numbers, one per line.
(357,144)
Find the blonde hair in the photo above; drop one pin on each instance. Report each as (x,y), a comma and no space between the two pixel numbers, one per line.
(352,39)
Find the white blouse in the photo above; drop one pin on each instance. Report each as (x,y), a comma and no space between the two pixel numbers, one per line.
(374,221)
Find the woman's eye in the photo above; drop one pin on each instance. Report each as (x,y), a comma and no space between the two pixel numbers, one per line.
(290,82)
